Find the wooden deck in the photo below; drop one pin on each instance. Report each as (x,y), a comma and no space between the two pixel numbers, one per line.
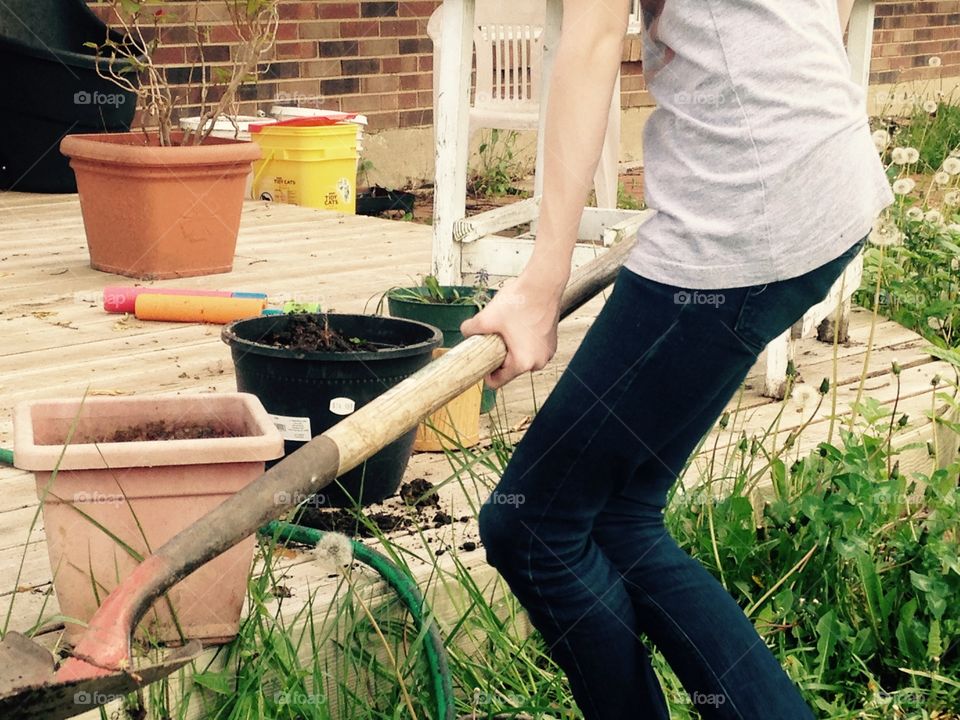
(61,343)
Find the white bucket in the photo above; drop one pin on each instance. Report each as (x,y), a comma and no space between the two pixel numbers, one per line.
(285,112)
(235,128)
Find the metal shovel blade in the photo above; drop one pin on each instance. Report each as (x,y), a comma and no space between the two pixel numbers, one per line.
(28,688)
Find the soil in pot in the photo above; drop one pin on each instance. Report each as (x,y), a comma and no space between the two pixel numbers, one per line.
(312,333)
(308,387)
(160,430)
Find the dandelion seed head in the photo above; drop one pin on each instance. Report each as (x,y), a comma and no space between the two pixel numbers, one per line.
(951,165)
(933,216)
(930,106)
(913,155)
(904,186)
(952,198)
(881,139)
(885,232)
(941,178)
(899,156)
(334,551)
(914,213)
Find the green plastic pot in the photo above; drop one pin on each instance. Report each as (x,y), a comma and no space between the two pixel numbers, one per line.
(446,317)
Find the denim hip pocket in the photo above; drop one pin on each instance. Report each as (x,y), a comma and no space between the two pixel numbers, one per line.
(769,310)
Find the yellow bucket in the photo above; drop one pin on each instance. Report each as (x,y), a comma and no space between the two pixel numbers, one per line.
(315,166)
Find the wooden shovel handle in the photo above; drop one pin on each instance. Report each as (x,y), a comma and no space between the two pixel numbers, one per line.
(106,643)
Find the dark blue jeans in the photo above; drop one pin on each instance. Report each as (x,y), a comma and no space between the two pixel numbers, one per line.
(575,526)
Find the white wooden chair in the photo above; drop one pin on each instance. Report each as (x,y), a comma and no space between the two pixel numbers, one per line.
(508,42)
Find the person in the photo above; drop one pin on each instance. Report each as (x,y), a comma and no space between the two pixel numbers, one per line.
(760,165)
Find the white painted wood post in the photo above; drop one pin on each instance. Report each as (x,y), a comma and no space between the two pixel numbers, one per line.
(551,36)
(860,42)
(451,120)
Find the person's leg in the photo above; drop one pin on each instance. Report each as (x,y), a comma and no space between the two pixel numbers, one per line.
(723,663)
(646,370)
(621,396)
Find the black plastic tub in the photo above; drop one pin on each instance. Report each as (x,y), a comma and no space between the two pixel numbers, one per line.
(378,200)
(51,89)
(309,392)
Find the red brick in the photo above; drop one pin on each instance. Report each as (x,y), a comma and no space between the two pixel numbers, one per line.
(322,30)
(405,64)
(378,47)
(398,28)
(329,10)
(303,50)
(419,81)
(297,11)
(417,8)
(288,31)
(380,83)
(359,28)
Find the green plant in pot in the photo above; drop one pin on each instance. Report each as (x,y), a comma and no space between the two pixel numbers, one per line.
(310,370)
(444,307)
(177,195)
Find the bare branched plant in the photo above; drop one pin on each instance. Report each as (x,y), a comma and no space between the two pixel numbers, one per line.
(133,64)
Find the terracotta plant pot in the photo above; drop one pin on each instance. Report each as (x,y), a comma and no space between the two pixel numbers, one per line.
(99,499)
(154,212)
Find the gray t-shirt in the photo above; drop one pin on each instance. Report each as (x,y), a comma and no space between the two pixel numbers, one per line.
(758,159)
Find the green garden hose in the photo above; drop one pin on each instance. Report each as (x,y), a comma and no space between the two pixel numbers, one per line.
(409,594)
(6,456)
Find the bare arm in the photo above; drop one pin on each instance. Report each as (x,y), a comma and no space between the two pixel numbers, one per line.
(581,87)
(525,312)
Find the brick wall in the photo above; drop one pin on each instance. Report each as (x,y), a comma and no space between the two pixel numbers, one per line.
(908,34)
(373,56)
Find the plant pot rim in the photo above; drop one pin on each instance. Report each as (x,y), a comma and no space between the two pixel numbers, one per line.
(128,148)
(420,290)
(230,337)
(262,442)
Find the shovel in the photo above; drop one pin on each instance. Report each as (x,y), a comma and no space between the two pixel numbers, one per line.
(99,669)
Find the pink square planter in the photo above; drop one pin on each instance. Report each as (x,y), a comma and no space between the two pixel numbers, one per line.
(143,492)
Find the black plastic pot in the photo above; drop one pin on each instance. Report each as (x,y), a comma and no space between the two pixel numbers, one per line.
(320,388)
(446,317)
(378,200)
(52,89)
